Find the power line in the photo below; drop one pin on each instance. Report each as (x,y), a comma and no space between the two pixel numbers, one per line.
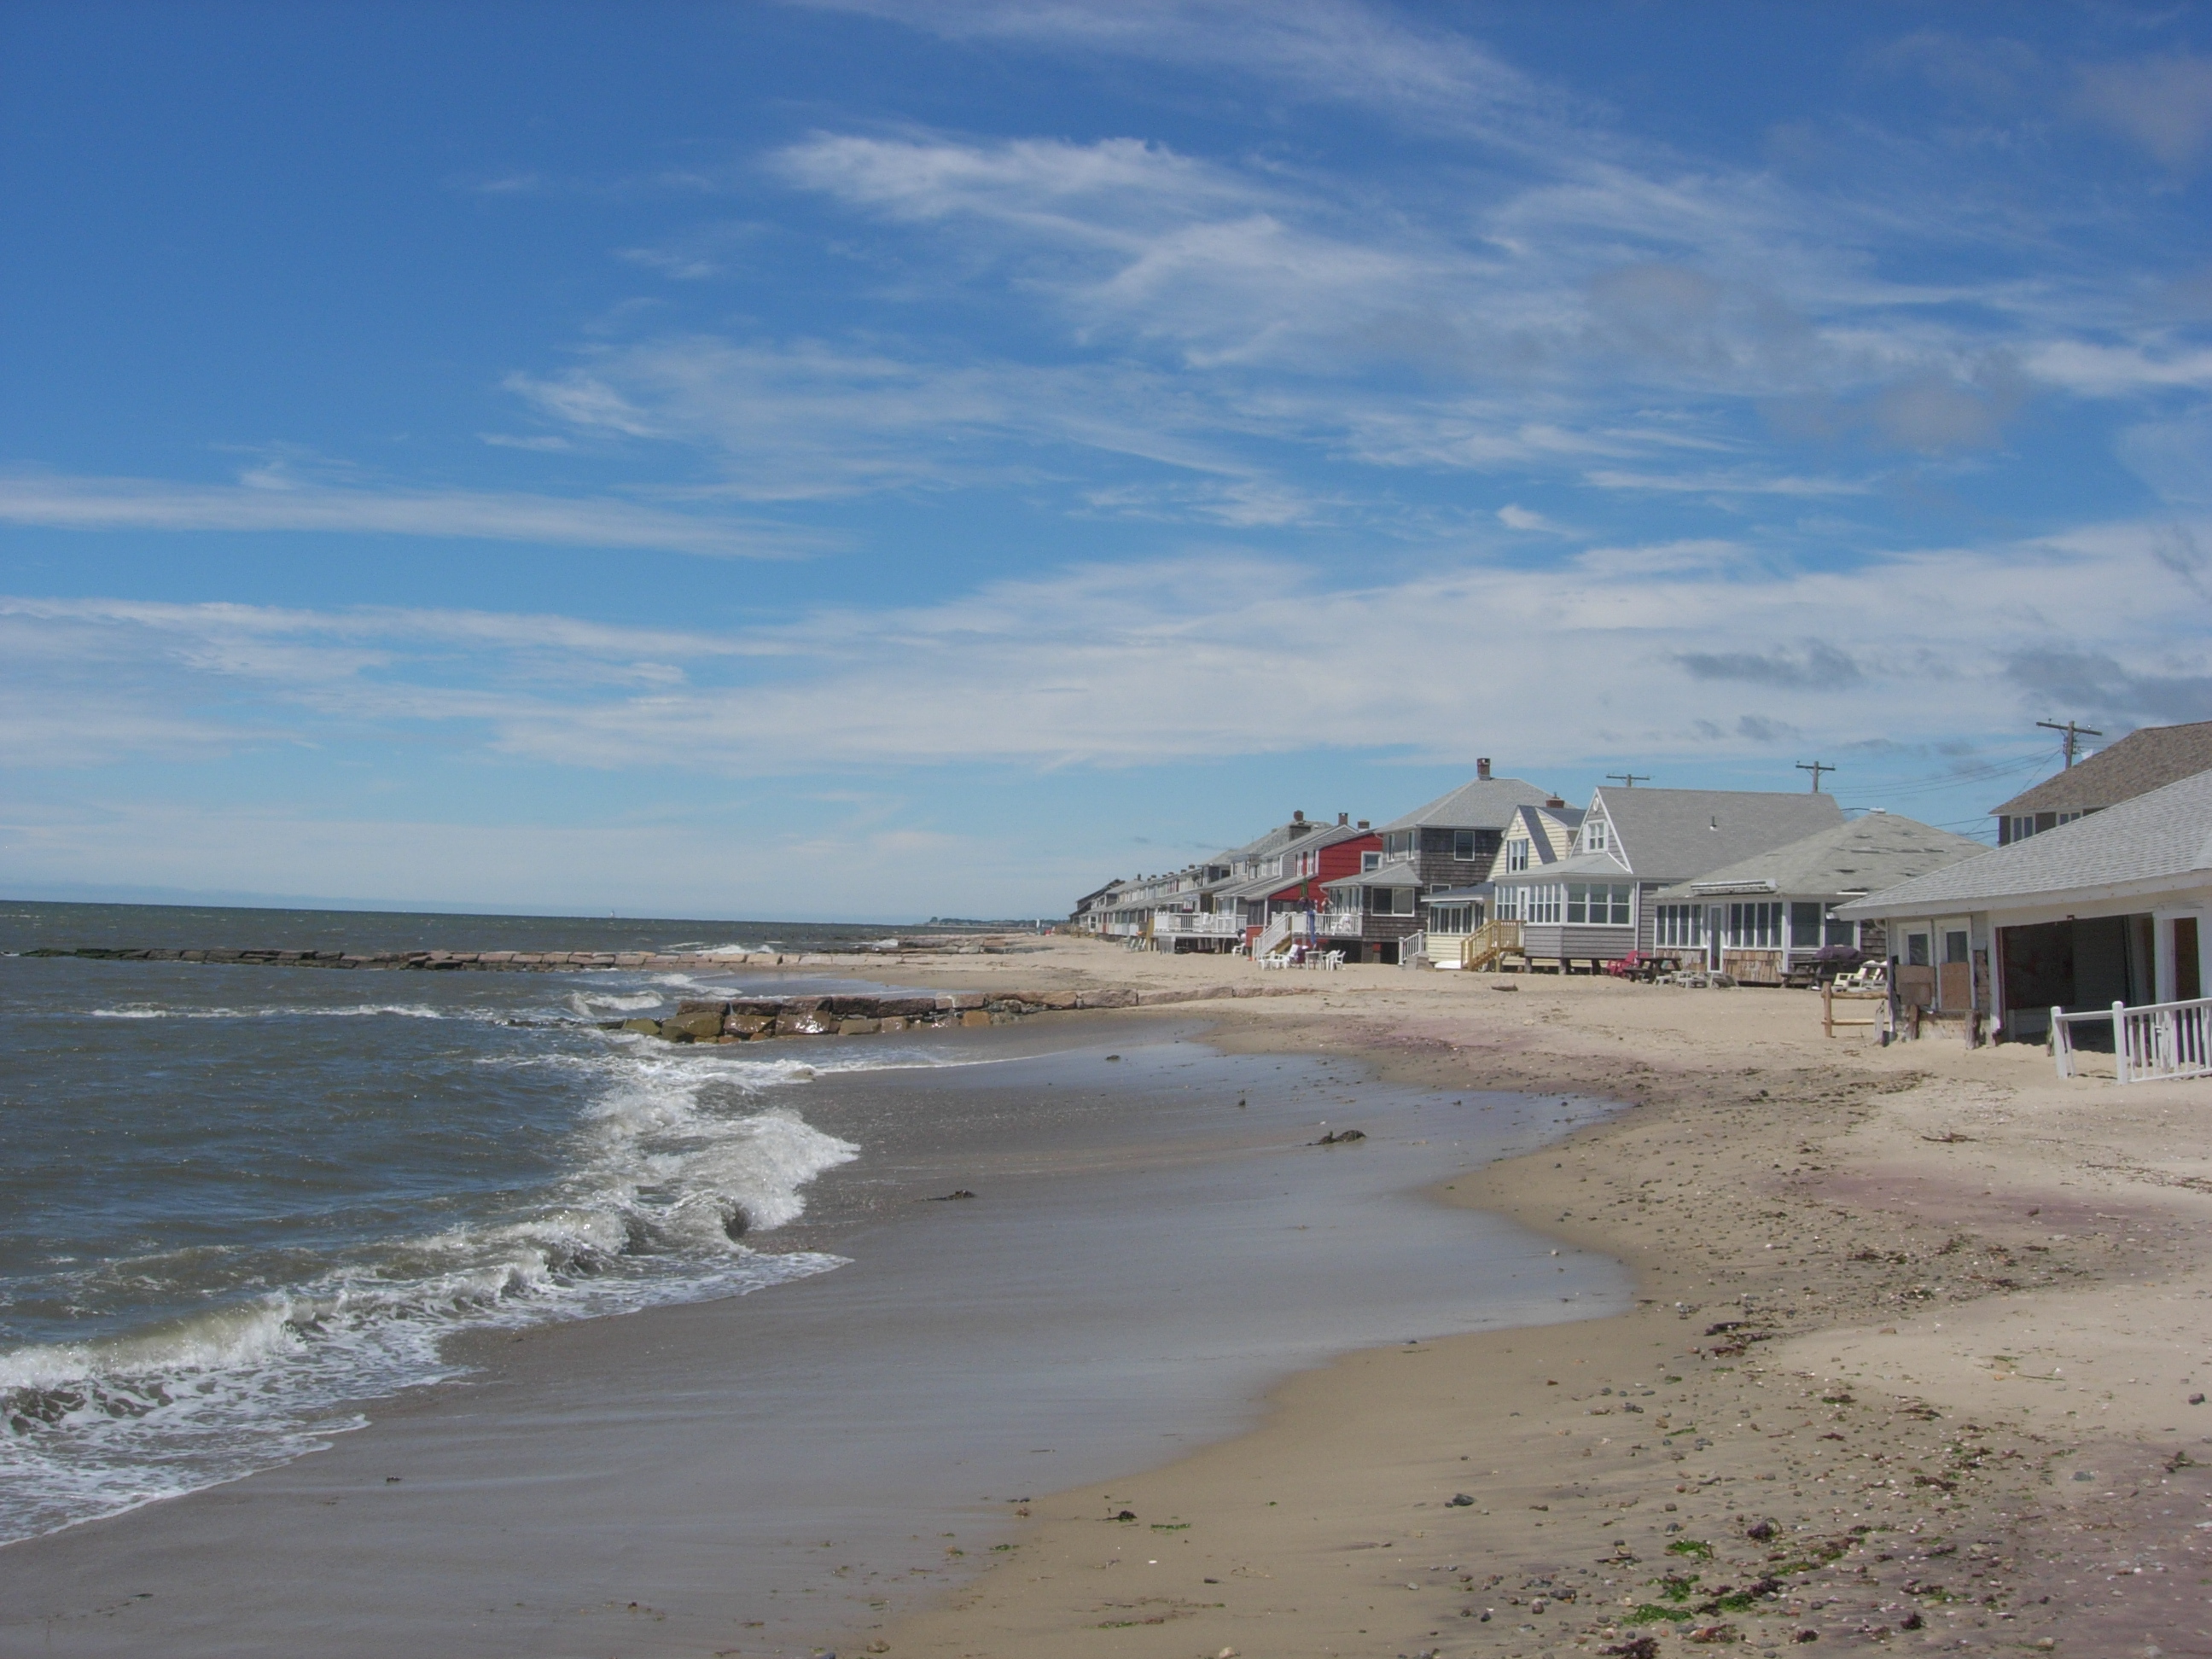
(1815,767)
(2074,736)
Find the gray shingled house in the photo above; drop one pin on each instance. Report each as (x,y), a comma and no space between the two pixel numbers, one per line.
(1757,918)
(1450,843)
(2107,908)
(2144,760)
(1595,905)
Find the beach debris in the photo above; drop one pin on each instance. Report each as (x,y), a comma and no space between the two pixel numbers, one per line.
(1759,1531)
(1806,1636)
(1504,985)
(1340,1138)
(1714,1633)
(1635,1647)
(947,1198)
(1460,1500)
(1113,1056)
(1126,1514)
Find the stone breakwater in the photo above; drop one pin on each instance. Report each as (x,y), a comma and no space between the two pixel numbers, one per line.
(484,961)
(751,1019)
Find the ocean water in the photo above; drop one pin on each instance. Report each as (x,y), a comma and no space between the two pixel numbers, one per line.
(234,1202)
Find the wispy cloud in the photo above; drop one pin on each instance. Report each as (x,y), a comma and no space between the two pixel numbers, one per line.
(1677,647)
(54,500)
(2163,104)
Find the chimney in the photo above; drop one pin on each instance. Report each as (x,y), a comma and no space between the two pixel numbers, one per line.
(1482,769)
(1363,824)
(1298,818)
(1554,802)
(1343,818)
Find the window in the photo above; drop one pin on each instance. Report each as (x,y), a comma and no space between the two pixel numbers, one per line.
(1954,946)
(1398,846)
(1916,950)
(1509,904)
(1680,924)
(1804,924)
(1542,904)
(1516,856)
(1369,861)
(1391,901)
(1838,932)
(1755,927)
(1463,843)
(1451,919)
(1601,904)
(1594,836)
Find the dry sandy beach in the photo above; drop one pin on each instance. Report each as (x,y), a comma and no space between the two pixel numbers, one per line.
(1919,1359)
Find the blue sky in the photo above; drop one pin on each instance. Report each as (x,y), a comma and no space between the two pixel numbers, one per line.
(870,460)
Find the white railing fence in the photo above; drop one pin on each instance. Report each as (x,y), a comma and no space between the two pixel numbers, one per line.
(2159,1041)
(1170,924)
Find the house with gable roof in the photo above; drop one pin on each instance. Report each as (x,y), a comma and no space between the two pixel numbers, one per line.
(2148,758)
(2109,908)
(1595,905)
(1760,917)
(1450,843)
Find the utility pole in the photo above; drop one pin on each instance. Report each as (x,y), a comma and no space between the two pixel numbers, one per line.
(1628,780)
(1815,767)
(2074,735)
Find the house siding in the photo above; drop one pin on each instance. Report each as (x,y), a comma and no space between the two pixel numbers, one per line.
(1564,941)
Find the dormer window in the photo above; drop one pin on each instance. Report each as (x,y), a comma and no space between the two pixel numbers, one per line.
(1594,836)
(1516,855)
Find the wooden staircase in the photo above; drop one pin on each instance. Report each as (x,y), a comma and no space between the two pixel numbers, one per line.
(1490,945)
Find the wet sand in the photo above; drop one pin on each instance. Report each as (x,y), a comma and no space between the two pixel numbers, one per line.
(1142,1258)
(1910,1365)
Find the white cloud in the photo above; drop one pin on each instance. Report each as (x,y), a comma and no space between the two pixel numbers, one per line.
(2163,104)
(1327,51)
(1139,664)
(58,501)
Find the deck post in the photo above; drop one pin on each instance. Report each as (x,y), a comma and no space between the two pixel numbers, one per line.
(2120,1040)
(2061,1046)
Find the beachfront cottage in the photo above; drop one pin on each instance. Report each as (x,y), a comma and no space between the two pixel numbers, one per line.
(1757,918)
(2146,759)
(1220,903)
(1451,843)
(2107,908)
(1281,908)
(1595,905)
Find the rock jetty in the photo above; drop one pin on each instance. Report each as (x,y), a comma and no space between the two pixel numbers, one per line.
(751,1019)
(565,962)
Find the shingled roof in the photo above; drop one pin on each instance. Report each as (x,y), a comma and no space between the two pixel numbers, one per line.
(1672,835)
(2162,837)
(2144,760)
(1485,804)
(1864,856)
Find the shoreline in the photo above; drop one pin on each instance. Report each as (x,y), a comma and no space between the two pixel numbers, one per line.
(1912,1297)
(1892,1305)
(1147,1259)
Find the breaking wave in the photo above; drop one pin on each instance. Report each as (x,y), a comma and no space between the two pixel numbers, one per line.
(678,1162)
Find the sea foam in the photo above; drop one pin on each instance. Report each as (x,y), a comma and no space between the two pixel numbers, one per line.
(680,1157)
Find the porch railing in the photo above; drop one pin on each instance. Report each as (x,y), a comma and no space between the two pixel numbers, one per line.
(1170,924)
(2151,1043)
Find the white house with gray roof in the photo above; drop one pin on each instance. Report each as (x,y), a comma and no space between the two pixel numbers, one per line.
(1597,904)
(2106,908)
(1761,916)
